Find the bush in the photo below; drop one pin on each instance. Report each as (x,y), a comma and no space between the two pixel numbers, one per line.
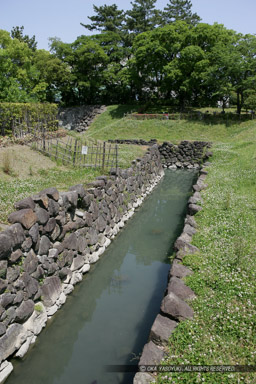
(18,119)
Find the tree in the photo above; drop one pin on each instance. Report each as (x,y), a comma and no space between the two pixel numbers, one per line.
(16,69)
(108,18)
(179,10)
(142,17)
(53,76)
(17,33)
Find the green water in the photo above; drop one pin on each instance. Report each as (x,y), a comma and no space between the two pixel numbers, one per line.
(107,318)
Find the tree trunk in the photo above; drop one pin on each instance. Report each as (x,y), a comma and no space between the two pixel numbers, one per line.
(238,103)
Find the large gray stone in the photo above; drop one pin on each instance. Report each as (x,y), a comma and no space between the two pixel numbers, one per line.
(42,215)
(51,290)
(175,308)
(51,192)
(2,329)
(38,320)
(17,234)
(24,311)
(44,245)
(79,188)
(70,242)
(25,204)
(9,315)
(34,233)
(179,270)
(50,225)
(15,256)
(71,196)
(5,245)
(77,263)
(185,247)
(100,224)
(194,209)
(5,369)
(143,378)
(3,285)
(178,287)
(3,268)
(29,284)
(6,299)
(26,217)
(53,208)
(191,221)
(27,244)
(162,329)
(151,354)
(13,273)
(42,200)
(92,236)
(87,200)
(189,230)
(12,340)
(10,238)
(30,263)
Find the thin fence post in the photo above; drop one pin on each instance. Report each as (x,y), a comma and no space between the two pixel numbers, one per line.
(116,156)
(74,155)
(56,153)
(103,156)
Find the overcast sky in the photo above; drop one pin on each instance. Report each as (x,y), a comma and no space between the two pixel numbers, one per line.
(61,18)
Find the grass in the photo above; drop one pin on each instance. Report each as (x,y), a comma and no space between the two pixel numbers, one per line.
(32,173)
(108,126)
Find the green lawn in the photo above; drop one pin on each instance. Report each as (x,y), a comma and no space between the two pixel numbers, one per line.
(112,124)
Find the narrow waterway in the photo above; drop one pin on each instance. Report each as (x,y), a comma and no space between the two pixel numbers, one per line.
(107,318)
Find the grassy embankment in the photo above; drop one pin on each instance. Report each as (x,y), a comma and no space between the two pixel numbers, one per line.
(224,270)
(24,172)
(223,329)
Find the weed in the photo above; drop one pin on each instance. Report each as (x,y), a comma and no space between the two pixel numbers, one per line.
(38,308)
(7,164)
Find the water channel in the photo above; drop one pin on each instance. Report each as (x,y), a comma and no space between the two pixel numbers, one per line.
(107,318)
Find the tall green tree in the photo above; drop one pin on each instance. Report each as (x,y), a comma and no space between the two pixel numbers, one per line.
(107,18)
(179,10)
(18,33)
(142,17)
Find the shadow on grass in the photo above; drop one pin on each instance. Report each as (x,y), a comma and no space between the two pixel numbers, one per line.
(121,110)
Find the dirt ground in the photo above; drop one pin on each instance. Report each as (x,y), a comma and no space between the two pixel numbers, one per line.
(22,161)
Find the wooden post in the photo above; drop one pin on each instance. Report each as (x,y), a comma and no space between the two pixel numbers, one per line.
(103,155)
(116,156)
(56,153)
(74,155)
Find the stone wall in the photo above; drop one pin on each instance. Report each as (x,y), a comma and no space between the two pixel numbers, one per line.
(174,307)
(134,141)
(79,118)
(52,241)
(185,155)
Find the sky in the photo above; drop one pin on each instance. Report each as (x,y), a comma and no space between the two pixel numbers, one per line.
(61,18)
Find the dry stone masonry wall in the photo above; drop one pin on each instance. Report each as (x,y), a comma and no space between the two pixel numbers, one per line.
(185,155)
(79,118)
(53,240)
(174,308)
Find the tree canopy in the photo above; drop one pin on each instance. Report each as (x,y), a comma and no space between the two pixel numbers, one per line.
(143,54)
